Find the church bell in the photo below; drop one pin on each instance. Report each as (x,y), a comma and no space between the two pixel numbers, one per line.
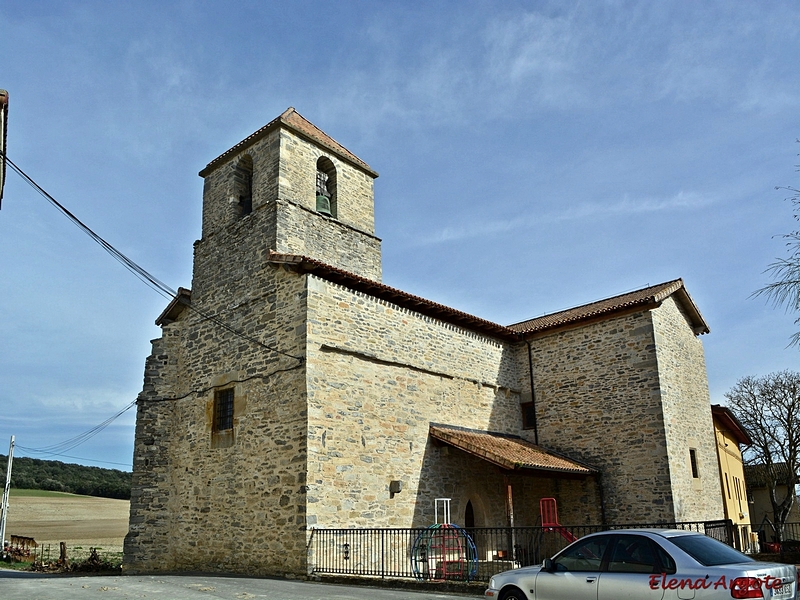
(324,205)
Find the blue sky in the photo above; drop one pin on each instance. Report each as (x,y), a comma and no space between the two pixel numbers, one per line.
(532,156)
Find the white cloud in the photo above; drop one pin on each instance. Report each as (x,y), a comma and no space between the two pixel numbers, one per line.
(625,206)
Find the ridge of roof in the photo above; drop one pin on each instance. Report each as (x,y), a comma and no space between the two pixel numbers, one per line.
(293,120)
(507,451)
(651,295)
(390,294)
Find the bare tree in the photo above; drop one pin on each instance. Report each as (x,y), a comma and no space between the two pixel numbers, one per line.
(769,409)
(785,289)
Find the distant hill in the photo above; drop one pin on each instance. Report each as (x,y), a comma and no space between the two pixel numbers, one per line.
(54,475)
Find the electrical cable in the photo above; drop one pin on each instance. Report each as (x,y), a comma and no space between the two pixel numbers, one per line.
(148,279)
(227,383)
(142,274)
(94,460)
(67,445)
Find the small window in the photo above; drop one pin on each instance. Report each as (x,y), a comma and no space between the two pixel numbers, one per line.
(223,410)
(693,461)
(528,415)
(242,195)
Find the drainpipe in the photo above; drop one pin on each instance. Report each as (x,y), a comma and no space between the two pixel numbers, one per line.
(533,395)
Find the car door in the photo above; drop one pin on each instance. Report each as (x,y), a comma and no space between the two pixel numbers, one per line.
(575,572)
(633,569)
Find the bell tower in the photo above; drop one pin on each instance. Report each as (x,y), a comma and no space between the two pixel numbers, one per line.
(291,188)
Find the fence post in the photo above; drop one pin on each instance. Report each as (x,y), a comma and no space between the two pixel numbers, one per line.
(383,570)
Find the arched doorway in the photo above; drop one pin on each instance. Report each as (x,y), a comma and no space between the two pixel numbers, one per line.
(469,516)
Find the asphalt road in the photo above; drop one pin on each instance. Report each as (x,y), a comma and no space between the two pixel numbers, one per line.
(16,585)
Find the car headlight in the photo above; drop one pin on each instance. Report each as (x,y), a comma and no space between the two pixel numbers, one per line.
(491,583)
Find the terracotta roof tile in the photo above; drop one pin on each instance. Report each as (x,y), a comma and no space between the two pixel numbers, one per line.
(293,120)
(652,295)
(507,451)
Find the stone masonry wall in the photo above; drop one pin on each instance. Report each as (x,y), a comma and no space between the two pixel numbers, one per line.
(147,541)
(378,375)
(687,415)
(284,203)
(235,504)
(598,398)
(347,241)
(220,184)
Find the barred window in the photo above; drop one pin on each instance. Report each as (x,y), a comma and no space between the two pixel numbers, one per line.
(223,410)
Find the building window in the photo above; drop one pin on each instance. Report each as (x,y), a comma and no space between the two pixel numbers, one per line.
(693,461)
(242,196)
(326,187)
(528,415)
(223,410)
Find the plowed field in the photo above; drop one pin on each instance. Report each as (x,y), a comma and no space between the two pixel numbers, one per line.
(52,517)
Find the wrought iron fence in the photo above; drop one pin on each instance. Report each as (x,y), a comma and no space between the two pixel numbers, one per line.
(470,554)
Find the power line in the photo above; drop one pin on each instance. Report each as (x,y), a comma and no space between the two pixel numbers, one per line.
(148,279)
(142,274)
(94,460)
(67,445)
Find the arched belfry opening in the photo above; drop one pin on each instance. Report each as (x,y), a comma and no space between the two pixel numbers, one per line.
(326,187)
(242,192)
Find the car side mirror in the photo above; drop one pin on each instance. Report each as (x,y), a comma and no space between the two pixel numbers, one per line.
(548,565)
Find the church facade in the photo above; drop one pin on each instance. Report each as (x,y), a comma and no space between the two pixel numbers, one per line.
(292,390)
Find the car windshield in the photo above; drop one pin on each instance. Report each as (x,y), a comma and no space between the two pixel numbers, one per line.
(708,551)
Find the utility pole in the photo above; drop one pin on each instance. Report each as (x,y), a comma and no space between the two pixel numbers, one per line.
(4,515)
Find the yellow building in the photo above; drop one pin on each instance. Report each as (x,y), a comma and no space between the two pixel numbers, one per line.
(730,435)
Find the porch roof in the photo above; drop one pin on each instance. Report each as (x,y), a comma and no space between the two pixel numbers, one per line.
(509,451)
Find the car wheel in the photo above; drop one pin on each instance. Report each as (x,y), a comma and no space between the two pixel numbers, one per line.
(513,594)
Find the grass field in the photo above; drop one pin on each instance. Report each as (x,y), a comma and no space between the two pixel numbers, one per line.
(80,521)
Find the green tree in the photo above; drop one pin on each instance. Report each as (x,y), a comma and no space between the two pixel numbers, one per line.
(769,409)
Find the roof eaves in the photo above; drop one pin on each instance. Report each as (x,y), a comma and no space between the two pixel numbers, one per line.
(177,305)
(452,434)
(733,425)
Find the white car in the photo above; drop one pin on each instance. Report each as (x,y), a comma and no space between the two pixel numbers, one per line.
(647,564)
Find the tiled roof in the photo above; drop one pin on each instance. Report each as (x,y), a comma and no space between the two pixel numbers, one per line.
(755,476)
(507,451)
(293,120)
(646,297)
(403,299)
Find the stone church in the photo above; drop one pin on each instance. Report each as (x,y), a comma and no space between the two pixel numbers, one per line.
(292,390)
